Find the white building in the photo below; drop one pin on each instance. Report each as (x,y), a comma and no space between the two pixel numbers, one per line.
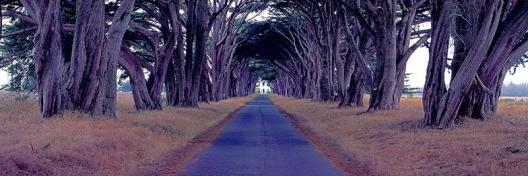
(263,87)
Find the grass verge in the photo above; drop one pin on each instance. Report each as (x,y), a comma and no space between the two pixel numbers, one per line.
(79,145)
(393,143)
(175,162)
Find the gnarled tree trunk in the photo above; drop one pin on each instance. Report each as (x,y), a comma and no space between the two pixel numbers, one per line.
(357,86)
(450,103)
(498,41)
(142,98)
(384,83)
(93,67)
(435,87)
(106,101)
(197,33)
(88,41)
(48,57)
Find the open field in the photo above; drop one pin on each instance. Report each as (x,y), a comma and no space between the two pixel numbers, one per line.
(393,143)
(515,98)
(79,145)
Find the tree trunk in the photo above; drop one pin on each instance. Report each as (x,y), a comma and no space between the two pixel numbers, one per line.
(435,87)
(142,99)
(482,100)
(48,58)
(161,65)
(450,103)
(106,101)
(176,93)
(160,73)
(171,86)
(86,57)
(399,88)
(197,33)
(345,80)
(354,96)
(384,85)
(499,39)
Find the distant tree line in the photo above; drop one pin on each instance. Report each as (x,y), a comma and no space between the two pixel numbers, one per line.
(515,90)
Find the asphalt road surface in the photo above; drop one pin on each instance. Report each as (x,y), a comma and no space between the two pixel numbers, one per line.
(260,141)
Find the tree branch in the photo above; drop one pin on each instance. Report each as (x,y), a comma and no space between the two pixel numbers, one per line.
(414,47)
(19,31)
(486,89)
(520,50)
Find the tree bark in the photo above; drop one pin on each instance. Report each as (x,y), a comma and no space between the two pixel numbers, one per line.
(482,100)
(354,96)
(384,84)
(88,41)
(171,31)
(197,33)
(140,92)
(500,35)
(48,57)
(435,87)
(105,103)
(175,82)
(451,101)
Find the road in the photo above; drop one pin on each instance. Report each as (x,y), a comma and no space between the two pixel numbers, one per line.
(260,141)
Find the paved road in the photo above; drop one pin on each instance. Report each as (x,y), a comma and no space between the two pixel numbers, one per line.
(260,141)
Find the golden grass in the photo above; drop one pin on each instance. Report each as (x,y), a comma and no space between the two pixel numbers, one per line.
(79,145)
(393,143)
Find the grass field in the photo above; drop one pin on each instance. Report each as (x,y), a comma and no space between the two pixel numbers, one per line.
(79,145)
(393,143)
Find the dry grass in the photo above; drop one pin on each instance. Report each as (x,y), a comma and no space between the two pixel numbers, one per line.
(392,143)
(79,145)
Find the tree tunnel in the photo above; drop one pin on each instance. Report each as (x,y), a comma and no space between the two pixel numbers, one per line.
(269,54)
(210,50)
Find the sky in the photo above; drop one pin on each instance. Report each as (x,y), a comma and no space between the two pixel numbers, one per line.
(4,77)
